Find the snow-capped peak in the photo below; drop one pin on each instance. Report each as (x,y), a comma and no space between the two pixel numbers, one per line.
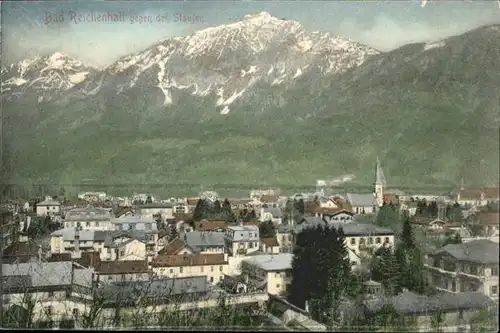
(54,72)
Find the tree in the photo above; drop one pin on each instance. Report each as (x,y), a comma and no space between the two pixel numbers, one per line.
(432,209)
(387,216)
(456,212)
(299,206)
(198,211)
(267,229)
(321,271)
(407,238)
(217,207)
(149,200)
(386,270)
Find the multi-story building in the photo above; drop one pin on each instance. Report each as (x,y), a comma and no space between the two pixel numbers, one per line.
(467,267)
(273,270)
(213,266)
(111,244)
(165,210)
(361,239)
(48,207)
(57,290)
(89,218)
(242,240)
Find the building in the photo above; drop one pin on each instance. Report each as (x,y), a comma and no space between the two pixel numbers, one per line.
(165,210)
(57,289)
(89,217)
(48,207)
(467,267)
(211,266)
(364,239)
(242,240)
(273,270)
(362,203)
(204,242)
(270,245)
(273,214)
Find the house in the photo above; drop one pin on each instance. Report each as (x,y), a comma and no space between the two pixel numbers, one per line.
(327,203)
(56,289)
(209,226)
(362,240)
(452,312)
(430,223)
(467,267)
(118,271)
(89,217)
(476,197)
(242,240)
(125,211)
(272,214)
(165,210)
(488,222)
(110,244)
(176,247)
(273,270)
(204,242)
(48,207)
(212,266)
(285,235)
(362,203)
(341,215)
(269,245)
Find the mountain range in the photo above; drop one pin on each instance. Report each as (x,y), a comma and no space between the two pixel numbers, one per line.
(259,102)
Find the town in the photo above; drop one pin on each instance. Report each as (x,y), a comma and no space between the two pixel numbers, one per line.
(384,260)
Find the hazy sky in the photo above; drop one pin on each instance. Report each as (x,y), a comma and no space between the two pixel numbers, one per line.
(381,24)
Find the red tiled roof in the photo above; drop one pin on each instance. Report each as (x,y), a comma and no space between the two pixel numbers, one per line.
(210,225)
(173,247)
(491,193)
(192,201)
(198,259)
(123,267)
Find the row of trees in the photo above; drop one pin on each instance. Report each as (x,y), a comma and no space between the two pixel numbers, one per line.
(431,209)
(205,209)
(294,210)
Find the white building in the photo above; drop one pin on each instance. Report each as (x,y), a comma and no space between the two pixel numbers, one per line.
(272,269)
(242,240)
(48,207)
(89,218)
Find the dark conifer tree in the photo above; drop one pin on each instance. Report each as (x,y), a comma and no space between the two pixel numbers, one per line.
(198,210)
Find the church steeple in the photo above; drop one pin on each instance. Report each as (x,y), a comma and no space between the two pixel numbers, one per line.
(379,185)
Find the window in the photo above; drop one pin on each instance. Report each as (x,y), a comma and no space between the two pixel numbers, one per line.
(171,270)
(110,277)
(202,269)
(211,268)
(386,240)
(361,241)
(370,240)
(251,234)
(221,268)
(494,290)
(250,245)
(378,240)
(353,263)
(461,314)
(211,279)
(278,285)
(48,310)
(180,270)
(453,286)
(87,224)
(353,241)
(494,271)
(75,312)
(51,294)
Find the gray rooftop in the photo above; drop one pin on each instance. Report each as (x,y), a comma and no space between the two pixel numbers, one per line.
(41,274)
(198,239)
(272,262)
(361,199)
(361,229)
(481,251)
(411,303)
(156,288)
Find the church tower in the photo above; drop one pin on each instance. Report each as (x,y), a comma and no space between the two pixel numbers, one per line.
(379,185)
